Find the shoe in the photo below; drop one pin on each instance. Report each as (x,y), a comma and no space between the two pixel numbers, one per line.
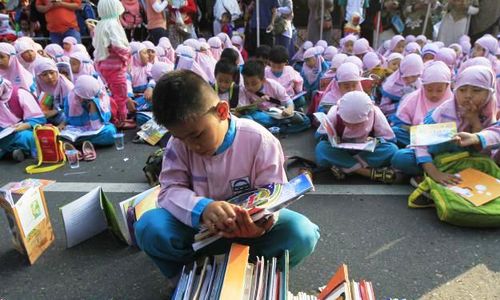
(385,175)
(68,146)
(88,150)
(337,173)
(18,155)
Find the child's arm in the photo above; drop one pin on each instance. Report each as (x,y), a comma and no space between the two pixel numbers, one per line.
(486,138)
(382,129)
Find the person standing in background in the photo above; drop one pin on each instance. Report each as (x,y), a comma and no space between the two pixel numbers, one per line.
(415,12)
(284,20)
(157,23)
(221,6)
(267,16)
(315,19)
(61,18)
(486,21)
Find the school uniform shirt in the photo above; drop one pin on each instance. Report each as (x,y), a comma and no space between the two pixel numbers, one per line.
(289,79)
(250,156)
(271,88)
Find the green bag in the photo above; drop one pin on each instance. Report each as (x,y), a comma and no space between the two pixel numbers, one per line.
(451,207)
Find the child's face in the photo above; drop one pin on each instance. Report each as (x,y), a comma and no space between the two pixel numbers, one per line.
(225,18)
(428,57)
(4,61)
(478,51)
(394,64)
(311,62)
(348,46)
(348,86)
(205,134)
(224,81)
(400,47)
(253,84)
(277,67)
(471,98)
(458,52)
(29,56)
(144,56)
(408,80)
(151,55)
(355,20)
(49,77)
(75,65)
(25,25)
(435,92)
(67,47)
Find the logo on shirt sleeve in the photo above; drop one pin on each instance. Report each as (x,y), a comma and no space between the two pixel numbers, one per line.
(240,185)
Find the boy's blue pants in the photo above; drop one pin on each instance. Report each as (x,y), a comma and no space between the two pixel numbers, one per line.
(23,140)
(402,136)
(169,242)
(327,156)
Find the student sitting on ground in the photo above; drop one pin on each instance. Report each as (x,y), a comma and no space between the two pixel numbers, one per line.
(356,120)
(88,106)
(401,83)
(20,110)
(225,87)
(210,150)
(312,71)
(435,90)
(26,54)
(266,93)
(473,109)
(56,89)
(280,71)
(12,70)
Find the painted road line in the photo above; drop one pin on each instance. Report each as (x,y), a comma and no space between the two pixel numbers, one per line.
(321,189)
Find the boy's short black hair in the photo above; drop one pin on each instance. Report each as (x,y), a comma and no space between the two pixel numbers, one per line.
(263,52)
(180,96)
(279,55)
(231,55)
(254,67)
(225,66)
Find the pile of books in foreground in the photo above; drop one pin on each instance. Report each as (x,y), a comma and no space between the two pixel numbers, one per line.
(232,277)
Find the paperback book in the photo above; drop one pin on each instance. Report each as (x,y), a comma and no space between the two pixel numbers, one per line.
(432,134)
(477,187)
(151,132)
(73,133)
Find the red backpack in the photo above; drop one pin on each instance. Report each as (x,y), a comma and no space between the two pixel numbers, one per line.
(133,15)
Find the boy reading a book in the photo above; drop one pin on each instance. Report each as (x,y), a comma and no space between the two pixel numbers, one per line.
(225,87)
(213,156)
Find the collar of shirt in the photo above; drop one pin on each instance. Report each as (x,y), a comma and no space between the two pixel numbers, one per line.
(228,138)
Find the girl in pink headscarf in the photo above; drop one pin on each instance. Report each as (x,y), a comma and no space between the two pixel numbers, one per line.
(397,45)
(140,76)
(151,49)
(69,45)
(347,44)
(206,61)
(26,54)
(473,109)
(88,107)
(435,90)
(215,47)
(82,65)
(393,61)
(355,119)
(186,61)
(164,42)
(56,52)
(55,89)
(20,111)
(12,70)
(401,83)
(313,69)
(347,79)
(412,47)
(298,58)
(226,43)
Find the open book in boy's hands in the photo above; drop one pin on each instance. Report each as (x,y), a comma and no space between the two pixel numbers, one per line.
(334,138)
(262,203)
(432,134)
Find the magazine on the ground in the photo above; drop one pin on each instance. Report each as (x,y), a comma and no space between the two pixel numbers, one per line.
(477,187)
(432,134)
(7,131)
(262,203)
(72,133)
(333,137)
(152,132)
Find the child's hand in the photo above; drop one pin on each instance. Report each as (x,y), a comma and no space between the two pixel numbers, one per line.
(465,139)
(288,111)
(265,98)
(22,126)
(246,227)
(219,216)
(445,178)
(148,94)
(131,105)
(61,126)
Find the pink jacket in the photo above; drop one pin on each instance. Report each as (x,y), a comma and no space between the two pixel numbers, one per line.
(290,80)
(189,182)
(117,61)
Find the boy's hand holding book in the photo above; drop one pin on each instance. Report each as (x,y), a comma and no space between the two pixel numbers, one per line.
(465,139)
(246,227)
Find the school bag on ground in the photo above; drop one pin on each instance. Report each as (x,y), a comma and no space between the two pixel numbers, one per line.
(152,169)
(452,208)
(49,150)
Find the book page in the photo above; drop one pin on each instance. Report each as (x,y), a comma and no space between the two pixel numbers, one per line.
(83,218)
(432,134)
(30,210)
(6,132)
(74,132)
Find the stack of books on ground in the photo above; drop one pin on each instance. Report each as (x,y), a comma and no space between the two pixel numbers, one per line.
(262,203)
(232,276)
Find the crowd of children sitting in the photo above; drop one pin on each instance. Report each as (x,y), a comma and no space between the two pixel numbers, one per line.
(367,93)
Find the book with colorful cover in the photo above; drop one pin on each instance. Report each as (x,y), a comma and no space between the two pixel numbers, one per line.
(22,186)
(432,134)
(477,187)
(262,203)
(46,101)
(72,133)
(152,132)
(334,139)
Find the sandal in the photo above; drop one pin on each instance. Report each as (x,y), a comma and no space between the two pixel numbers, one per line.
(385,175)
(68,146)
(337,173)
(88,151)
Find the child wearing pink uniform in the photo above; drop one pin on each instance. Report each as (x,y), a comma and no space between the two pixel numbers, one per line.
(212,157)
(112,56)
